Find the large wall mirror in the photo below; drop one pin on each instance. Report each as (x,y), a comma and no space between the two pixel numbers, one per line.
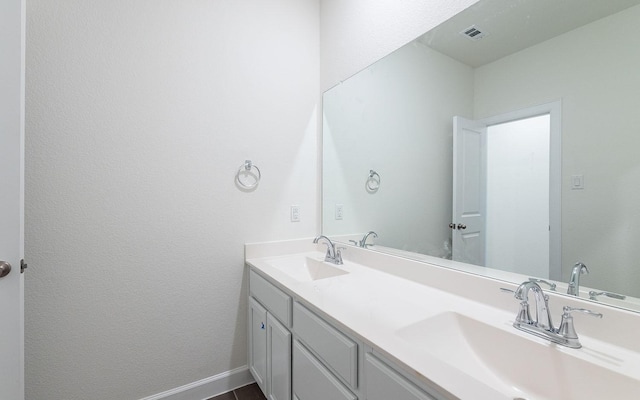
(505,142)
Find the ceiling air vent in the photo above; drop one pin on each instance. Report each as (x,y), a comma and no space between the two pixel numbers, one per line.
(473,33)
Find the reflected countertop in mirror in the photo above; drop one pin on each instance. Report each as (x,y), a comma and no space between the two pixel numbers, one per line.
(492,64)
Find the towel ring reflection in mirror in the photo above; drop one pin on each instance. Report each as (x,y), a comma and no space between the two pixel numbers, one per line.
(373,181)
(248,175)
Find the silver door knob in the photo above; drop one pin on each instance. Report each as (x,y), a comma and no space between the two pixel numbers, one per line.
(5,268)
(462,226)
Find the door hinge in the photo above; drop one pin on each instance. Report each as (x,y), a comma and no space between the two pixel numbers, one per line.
(23,266)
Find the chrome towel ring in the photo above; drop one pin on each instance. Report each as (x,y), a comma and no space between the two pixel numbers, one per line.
(373,181)
(245,171)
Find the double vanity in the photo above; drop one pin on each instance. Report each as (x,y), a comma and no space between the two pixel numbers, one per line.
(381,327)
(447,302)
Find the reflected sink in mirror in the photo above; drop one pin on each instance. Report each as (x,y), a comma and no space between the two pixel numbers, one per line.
(515,365)
(306,269)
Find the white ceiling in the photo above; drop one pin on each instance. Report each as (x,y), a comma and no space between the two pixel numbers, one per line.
(513,25)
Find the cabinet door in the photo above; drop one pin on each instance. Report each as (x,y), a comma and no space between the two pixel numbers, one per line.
(312,381)
(258,343)
(384,383)
(278,360)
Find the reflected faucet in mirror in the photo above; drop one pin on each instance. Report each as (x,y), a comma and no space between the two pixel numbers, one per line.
(574,281)
(593,295)
(363,242)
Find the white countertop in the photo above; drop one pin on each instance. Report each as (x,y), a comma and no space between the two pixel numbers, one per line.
(376,306)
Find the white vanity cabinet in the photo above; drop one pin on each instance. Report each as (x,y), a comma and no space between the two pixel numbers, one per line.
(312,380)
(258,343)
(297,354)
(325,361)
(383,382)
(278,360)
(269,339)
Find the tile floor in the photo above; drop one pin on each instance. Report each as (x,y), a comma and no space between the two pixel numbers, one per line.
(250,392)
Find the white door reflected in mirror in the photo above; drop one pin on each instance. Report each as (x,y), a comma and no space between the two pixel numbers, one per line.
(503,192)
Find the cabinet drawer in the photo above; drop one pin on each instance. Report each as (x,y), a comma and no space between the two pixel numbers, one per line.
(336,350)
(275,300)
(312,381)
(384,383)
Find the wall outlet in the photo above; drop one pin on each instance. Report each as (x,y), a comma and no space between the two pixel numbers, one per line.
(339,211)
(577,182)
(295,213)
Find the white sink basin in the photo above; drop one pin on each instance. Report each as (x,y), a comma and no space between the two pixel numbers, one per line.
(508,362)
(306,269)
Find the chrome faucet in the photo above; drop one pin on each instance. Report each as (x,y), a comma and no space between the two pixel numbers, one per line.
(333,255)
(363,242)
(543,316)
(574,281)
(542,326)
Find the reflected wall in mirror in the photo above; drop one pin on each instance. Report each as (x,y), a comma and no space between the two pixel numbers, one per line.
(580,62)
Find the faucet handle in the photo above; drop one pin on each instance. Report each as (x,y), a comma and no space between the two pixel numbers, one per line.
(339,254)
(567,311)
(552,286)
(567,330)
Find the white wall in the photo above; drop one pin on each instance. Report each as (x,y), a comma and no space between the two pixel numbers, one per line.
(369,124)
(600,137)
(139,114)
(356,33)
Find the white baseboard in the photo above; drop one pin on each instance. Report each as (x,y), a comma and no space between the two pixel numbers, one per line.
(208,387)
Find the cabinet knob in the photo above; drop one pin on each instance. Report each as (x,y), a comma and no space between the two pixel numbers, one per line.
(462,226)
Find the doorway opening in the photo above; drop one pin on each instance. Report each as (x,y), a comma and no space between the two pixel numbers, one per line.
(506,200)
(517,205)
